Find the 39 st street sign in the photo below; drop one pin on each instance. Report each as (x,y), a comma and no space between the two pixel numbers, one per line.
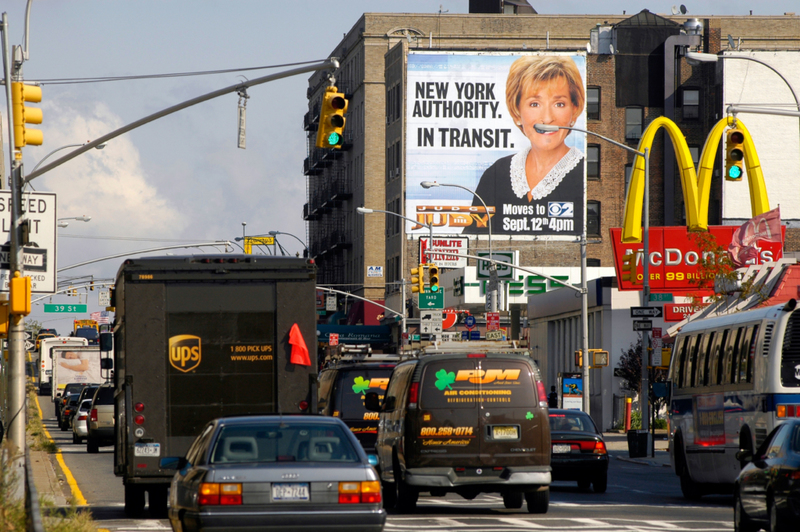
(39,255)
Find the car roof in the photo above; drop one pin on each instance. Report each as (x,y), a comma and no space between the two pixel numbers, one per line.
(273,418)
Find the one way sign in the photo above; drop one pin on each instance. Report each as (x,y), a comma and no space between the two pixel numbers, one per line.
(646,312)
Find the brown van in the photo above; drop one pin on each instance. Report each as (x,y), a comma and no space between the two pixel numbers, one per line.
(466,418)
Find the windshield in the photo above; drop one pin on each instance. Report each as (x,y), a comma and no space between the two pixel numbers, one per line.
(352,386)
(283,442)
(90,333)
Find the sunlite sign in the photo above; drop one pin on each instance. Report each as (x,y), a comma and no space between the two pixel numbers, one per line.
(446,244)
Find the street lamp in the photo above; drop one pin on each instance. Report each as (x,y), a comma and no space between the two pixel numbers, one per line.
(43,159)
(492,266)
(276,233)
(546,128)
(84,218)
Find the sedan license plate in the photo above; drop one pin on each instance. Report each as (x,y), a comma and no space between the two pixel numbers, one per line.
(504,433)
(297,491)
(146,449)
(560,448)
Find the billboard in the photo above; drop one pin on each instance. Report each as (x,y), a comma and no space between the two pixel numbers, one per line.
(469,122)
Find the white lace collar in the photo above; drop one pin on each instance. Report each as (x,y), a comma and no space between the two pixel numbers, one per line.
(519,181)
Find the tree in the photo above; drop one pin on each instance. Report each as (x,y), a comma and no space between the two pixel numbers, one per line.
(629,369)
(32,327)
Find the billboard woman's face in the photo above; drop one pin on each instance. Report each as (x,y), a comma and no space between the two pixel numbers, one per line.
(547,103)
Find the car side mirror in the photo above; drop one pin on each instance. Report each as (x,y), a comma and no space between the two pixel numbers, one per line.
(106,342)
(371,402)
(172,463)
(106,363)
(744,456)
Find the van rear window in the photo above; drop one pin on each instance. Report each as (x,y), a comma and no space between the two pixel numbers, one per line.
(467,383)
(351,387)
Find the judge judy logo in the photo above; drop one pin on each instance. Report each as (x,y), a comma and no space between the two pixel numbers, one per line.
(184,352)
(453,216)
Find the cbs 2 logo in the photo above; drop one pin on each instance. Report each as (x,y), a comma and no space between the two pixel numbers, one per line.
(560,209)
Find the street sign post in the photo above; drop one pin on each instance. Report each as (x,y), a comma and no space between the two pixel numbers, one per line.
(431,301)
(642,325)
(39,256)
(104,298)
(66,309)
(333,339)
(661,297)
(646,312)
(469,322)
(430,321)
(492,321)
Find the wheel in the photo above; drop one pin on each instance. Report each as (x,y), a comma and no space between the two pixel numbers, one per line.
(75,438)
(93,447)
(513,499)
(538,501)
(63,426)
(741,523)
(158,500)
(134,500)
(389,495)
(600,483)
(691,489)
(772,511)
(407,497)
(584,484)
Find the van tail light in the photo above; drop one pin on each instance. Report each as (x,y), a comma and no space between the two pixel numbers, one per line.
(303,406)
(93,415)
(360,492)
(413,394)
(216,494)
(542,393)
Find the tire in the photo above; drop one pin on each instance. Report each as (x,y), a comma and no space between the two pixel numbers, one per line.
(92,447)
(389,495)
(584,484)
(600,483)
(538,501)
(75,438)
(513,500)
(158,500)
(691,490)
(134,500)
(772,513)
(741,523)
(407,497)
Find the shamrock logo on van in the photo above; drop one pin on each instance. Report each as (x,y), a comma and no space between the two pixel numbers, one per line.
(360,385)
(444,379)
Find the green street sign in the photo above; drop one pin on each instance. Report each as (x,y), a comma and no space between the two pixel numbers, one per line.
(71,309)
(431,301)
(661,297)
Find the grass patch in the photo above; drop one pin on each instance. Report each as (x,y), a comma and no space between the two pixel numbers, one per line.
(35,428)
(66,519)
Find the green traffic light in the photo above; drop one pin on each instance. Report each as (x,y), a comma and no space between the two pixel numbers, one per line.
(434,288)
(735,172)
(334,139)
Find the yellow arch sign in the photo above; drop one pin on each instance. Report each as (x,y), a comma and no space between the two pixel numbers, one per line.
(696,192)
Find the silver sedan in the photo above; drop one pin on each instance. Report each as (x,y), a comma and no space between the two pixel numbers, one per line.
(275,473)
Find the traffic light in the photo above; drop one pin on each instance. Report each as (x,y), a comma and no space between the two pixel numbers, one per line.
(418,279)
(629,268)
(433,277)
(734,160)
(91,286)
(21,93)
(331,119)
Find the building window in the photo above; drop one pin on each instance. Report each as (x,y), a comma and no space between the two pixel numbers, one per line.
(628,172)
(593,161)
(695,153)
(593,103)
(593,218)
(593,263)
(634,122)
(691,104)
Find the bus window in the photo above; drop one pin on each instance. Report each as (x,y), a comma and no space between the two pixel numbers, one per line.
(746,354)
(717,357)
(703,354)
(692,362)
(731,357)
(686,373)
(678,351)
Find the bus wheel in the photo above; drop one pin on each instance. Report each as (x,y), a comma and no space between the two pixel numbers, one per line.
(158,500)
(691,489)
(134,500)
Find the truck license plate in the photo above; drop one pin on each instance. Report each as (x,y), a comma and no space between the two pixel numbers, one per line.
(504,433)
(559,448)
(290,492)
(146,449)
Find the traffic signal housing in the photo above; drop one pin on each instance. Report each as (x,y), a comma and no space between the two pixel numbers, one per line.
(21,93)
(418,279)
(629,268)
(330,133)
(734,158)
(433,278)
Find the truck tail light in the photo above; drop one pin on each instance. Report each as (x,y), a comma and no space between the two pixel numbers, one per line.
(138,419)
(303,406)
(359,492)
(413,394)
(216,494)
(542,393)
(93,415)
(139,407)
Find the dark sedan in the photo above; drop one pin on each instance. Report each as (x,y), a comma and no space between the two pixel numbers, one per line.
(578,450)
(767,491)
(275,473)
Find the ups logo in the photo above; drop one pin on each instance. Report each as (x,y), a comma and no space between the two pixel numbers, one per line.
(184,352)
(480,376)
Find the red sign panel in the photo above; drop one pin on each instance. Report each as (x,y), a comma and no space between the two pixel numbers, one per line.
(492,321)
(450,318)
(678,311)
(674,257)
(333,339)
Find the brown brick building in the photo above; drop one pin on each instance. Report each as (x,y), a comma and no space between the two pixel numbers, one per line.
(635,73)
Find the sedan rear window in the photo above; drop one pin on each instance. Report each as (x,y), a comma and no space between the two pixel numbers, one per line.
(571,422)
(282,442)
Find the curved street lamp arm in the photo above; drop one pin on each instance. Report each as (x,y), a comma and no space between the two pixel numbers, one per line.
(348,294)
(129,253)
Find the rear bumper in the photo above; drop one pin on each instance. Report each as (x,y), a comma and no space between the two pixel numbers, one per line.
(300,519)
(102,435)
(578,468)
(446,477)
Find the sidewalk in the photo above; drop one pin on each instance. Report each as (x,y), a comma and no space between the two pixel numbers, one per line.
(48,483)
(617,445)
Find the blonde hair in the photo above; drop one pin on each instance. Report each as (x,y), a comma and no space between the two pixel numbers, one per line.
(529,71)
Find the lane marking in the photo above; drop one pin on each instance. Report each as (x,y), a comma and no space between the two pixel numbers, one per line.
(73,485)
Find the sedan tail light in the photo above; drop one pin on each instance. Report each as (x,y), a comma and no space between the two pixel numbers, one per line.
(359,492)
(216,494)
(82,418)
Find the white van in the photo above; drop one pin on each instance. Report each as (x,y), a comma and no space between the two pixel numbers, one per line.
(46,361)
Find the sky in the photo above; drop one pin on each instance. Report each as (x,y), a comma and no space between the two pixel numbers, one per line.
(182,179)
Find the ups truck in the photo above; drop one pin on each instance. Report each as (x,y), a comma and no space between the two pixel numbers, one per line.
(199,337)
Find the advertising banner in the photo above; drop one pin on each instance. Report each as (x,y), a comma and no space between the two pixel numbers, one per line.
(470,119)
(674,257)
(443,260)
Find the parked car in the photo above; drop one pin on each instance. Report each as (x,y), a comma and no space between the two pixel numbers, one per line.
(578,450)
(100,430)
(79,422)
(342,388)
(285,471)
(67,412)
(466,418)
(767,491)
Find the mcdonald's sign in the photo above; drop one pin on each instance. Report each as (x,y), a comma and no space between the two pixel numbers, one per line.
(673,255)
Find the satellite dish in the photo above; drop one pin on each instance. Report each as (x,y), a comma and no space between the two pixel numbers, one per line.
(588,47)
(611,48)
(731,44)
(675,10)
(683,9)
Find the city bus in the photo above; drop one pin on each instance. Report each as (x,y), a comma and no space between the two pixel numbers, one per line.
(732,379)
